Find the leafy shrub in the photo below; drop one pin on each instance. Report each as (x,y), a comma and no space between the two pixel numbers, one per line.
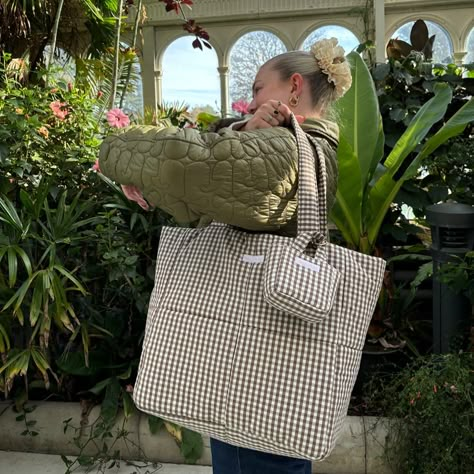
(76,259)
(49,132)
(432,415)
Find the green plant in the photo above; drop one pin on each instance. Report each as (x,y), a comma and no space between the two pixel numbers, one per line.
(458,274)
(76,257)
(97,442)
(369,181)
(45,132)
(431,410)
(420,42)
(28,424)
(374,164)
(34,19)
(449,173)
(189,442)
(39,295)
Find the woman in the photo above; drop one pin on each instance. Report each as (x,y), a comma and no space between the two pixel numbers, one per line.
(296,82)
(235,176)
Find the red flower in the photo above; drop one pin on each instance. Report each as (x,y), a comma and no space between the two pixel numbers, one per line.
(435,388)
(240,106)
(175,4)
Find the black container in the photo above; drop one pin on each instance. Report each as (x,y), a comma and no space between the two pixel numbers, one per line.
(452,231)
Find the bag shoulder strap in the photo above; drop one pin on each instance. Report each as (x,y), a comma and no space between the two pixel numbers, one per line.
(312,212)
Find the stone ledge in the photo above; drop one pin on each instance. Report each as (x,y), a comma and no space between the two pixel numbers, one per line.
(359,449)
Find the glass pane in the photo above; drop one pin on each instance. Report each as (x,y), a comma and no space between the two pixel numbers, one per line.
(64,67)
(346,38)
(442,47)
(133,101)
(247,55)
(470,48)
(190,76)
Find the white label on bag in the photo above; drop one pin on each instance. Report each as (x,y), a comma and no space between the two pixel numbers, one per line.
(253,258)
(310,265)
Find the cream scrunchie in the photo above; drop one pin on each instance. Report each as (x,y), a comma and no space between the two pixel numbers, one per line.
(331,60)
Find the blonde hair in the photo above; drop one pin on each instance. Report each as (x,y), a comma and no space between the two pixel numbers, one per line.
(324,68)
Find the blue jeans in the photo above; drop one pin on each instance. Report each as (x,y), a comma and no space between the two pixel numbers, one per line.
(228,459)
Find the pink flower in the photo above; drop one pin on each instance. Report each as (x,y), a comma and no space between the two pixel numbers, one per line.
(59,109)
(241,107)
(96,166)
(117,118)
(134,194)
(412,401)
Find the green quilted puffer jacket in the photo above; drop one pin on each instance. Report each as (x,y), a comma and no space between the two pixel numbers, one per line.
(246,179)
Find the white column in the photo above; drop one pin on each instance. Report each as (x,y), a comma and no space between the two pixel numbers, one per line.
(150,91)
(224,80)
(459,57)
(379,14)
(159,86)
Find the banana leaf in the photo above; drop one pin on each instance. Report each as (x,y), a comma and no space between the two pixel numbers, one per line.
(386,188)
(360,150)
(367,184)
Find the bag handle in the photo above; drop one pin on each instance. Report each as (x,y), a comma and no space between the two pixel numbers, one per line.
(312,211)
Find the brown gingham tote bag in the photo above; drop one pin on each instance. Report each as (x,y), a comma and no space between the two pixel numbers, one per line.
(254,338)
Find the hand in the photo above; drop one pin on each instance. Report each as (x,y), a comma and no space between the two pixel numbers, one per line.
(272,113)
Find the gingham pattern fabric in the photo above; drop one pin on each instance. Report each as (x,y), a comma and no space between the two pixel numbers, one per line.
(298,281)
(217,358)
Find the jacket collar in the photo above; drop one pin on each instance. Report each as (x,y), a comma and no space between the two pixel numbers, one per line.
(322,127)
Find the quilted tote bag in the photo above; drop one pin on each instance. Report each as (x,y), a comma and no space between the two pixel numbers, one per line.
(254,338)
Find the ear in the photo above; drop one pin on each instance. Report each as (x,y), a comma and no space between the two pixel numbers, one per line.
(296,81)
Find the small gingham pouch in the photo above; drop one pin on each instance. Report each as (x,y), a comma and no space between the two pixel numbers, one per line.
(298,279)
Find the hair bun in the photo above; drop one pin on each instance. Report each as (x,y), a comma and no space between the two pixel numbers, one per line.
(332,62)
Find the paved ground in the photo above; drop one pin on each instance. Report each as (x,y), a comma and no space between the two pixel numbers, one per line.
(29,463)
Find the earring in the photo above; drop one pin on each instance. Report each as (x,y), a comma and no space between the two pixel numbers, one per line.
(293,100)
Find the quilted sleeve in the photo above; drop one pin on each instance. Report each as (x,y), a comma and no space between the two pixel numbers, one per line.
(246,179)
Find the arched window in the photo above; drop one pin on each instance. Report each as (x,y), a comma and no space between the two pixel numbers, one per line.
(442,47)
(250,52)
(346,38)
(470,48)
(190,76)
